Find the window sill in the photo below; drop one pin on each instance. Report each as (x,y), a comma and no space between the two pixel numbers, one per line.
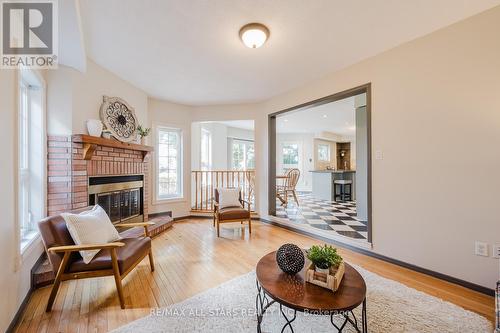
(28,243)
(169,200)
(28,239)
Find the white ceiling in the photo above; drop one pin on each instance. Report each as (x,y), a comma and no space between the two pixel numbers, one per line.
(241,124)
(336,117)
(189,51)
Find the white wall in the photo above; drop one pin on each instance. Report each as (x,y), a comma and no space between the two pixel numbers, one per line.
(220,134)
(74,97)
(60,101)
(240,133)
(196,146)
(434,99)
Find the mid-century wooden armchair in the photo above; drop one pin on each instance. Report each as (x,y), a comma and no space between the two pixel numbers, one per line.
(231,214)
(115,259)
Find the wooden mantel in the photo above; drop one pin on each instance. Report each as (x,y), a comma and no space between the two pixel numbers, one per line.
(90,144)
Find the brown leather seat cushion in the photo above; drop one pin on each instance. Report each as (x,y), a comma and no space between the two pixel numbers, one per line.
(233,213)
(127,255)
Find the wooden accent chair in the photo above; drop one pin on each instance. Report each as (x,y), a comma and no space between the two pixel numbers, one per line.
(115,259)
(291,180)
(231,214)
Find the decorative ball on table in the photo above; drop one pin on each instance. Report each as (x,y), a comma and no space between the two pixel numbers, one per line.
(290,258)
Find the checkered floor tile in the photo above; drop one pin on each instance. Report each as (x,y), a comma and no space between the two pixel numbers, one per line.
(338,217)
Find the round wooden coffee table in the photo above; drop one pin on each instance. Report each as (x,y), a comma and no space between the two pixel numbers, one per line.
(293,292)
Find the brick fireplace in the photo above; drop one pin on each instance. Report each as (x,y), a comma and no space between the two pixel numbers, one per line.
(85,170)
(80,162)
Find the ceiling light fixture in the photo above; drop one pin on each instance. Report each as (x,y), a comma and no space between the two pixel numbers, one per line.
(254,35)
(325,116)
(285,120)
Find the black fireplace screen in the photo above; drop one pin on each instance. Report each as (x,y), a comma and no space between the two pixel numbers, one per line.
(121,200)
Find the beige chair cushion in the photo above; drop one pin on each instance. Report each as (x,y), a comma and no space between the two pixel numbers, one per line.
(229,197)
(90,227)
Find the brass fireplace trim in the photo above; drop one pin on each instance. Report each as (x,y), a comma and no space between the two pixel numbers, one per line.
(103,188)
(132,219)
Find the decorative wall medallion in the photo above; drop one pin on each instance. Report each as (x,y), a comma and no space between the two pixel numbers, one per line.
(119,118)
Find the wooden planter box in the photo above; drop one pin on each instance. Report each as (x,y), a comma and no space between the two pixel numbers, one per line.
(329,281)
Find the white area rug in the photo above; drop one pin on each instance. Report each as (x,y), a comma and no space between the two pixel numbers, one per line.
(230,307)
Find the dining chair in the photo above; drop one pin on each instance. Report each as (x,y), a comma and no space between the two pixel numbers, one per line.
(290,183)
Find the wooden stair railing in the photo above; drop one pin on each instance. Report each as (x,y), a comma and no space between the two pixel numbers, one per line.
(204,183)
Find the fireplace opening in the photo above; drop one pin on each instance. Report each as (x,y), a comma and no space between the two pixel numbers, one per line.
(120,196)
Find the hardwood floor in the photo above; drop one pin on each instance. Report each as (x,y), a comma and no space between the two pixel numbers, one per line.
(189,259)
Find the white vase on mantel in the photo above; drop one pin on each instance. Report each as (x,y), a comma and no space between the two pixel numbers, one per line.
(94,127)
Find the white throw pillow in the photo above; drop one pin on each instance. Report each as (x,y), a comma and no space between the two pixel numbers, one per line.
(229,197)
(90,227)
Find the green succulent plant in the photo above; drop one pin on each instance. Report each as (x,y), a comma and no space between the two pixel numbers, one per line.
(143,131)
(324,256)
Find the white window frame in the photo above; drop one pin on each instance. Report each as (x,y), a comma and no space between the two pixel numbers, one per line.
(299,150)
(180,165)
(246,144)
(31,180)
(328,153)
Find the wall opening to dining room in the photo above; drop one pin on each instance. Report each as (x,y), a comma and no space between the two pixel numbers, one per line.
(319,166)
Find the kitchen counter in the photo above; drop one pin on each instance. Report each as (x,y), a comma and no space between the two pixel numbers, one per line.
(322,182)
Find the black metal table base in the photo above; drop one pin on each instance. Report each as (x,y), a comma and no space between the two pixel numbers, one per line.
(263,302)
